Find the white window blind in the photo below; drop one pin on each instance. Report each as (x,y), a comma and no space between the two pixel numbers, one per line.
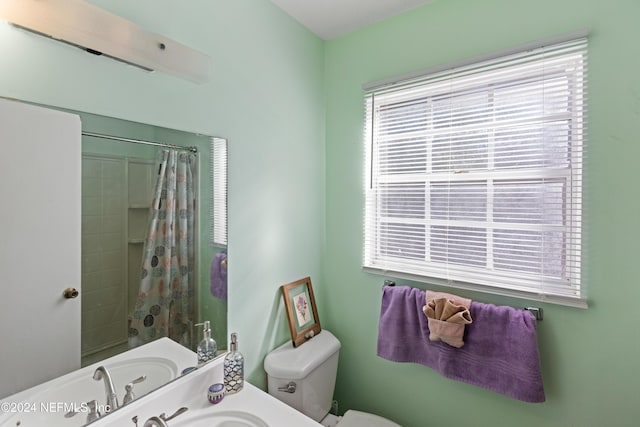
(219,208)
(474,175)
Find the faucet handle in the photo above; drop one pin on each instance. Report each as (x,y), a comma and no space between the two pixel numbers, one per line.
(161,420)
(129,396)
(175,414)
(93,414)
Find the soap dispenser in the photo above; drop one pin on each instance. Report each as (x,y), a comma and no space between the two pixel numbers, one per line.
(207,347)
(233,367)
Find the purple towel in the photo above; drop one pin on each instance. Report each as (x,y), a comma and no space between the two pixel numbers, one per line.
(219,276)
(500,350)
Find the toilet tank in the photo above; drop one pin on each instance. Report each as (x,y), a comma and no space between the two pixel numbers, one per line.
(312,367)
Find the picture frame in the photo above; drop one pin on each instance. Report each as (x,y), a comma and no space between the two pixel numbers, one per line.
(302,312)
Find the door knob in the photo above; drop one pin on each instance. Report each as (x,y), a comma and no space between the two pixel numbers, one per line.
(70,293)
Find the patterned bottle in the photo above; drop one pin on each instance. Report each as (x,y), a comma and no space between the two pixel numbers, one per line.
(233,367)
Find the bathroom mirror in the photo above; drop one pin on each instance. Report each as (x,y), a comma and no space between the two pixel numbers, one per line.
(119,183)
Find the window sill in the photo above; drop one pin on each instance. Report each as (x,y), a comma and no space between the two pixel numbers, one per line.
(551,299)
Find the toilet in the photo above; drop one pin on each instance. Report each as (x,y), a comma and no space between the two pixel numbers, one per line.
(304,378)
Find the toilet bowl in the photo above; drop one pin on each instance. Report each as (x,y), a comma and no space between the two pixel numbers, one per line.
(304,377)
(353,418)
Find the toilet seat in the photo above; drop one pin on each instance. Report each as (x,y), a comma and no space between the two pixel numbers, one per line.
(353,418)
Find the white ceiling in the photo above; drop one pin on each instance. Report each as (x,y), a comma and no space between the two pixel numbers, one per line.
(333,18)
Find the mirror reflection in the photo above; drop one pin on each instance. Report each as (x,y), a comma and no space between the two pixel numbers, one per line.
(151,264)
(145,270)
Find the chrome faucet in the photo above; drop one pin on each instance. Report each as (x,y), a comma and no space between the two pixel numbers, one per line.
(161,420)
(101,373)
(155,422)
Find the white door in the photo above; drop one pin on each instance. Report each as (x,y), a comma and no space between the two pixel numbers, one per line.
(40,202)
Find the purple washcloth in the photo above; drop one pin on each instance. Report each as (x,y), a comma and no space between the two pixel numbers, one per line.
(500,351)
(219,276)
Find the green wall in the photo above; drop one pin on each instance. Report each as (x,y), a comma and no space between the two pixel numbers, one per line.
(291,106)
(266,95)
(589,357)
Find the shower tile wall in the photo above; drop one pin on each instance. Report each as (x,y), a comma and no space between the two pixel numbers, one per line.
(104,290)
(139,188)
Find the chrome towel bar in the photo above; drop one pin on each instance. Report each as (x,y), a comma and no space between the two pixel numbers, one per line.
(536,311)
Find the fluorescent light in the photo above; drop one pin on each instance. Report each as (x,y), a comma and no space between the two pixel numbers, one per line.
(97,31)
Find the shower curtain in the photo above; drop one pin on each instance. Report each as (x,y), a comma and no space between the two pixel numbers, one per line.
(165,302)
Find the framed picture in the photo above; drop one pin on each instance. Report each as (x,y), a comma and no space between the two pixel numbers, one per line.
(301,310)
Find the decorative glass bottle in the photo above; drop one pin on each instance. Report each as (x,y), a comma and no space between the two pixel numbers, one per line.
(233,367)
(207,348)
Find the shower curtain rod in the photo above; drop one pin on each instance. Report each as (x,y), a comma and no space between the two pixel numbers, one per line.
(140,141)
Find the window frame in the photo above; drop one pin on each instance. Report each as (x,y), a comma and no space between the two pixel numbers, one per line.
(491,281)
(219,200)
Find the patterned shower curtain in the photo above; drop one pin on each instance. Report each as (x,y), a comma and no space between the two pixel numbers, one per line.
(165,303)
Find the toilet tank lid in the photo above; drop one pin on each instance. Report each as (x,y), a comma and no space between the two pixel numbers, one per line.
(296,363)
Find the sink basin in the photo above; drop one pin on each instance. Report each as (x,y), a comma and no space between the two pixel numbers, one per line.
(48,404)
(223,419)
(251,407)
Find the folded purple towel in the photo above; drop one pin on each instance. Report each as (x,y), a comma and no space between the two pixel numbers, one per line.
(500,351)
(219,276)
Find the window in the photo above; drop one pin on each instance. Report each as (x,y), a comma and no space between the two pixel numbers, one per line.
(219,201)
(474,175)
